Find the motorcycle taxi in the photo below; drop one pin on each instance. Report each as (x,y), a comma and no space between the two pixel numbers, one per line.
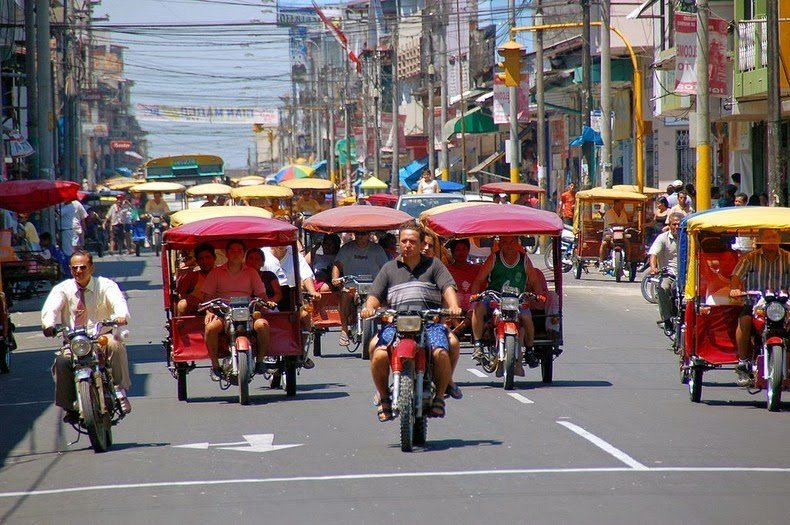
(274,199)
(325,313)
(185,346)
(158,224)
(711,244)
(486,220)
(531,195)
(627,251)
(200,192)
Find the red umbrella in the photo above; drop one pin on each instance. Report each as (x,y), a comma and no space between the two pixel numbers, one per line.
(357,218)
(26,196)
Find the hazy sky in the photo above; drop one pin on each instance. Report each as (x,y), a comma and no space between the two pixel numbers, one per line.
(214,66)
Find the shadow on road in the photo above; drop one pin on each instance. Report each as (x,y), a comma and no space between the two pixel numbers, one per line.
(448,444)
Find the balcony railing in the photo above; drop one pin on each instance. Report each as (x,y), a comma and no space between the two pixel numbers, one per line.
(752,45)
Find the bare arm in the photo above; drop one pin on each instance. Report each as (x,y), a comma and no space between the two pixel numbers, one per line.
(481,280)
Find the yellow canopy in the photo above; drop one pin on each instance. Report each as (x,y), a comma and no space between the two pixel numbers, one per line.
(740,219)
(211,188)
(264,191)
(212,212)
(309,184)
(250,180)
(121,184)
(159,187)
(633,188)
(608,195)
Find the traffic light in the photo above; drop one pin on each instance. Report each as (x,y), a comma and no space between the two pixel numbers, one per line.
(511,52)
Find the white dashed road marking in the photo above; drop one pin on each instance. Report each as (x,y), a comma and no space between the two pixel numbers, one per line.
(603,445)
(476,372)
(521,399)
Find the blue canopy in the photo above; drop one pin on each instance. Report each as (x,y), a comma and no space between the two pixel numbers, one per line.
(320,169)
(409,175)
(444,185)
(588,135)
(124,171)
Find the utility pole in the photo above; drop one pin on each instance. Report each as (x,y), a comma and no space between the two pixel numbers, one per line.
(540,99)
(515,145)
(606,94)
(44,91)
(348,129)
(395,176)
(776,194)
(377,118)
(31,83)
(90,84)
(444,156)
(587,147)
(431,70)
(703,109)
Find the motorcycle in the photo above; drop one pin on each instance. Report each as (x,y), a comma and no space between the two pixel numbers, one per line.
(770,322)
(614,264)
(505,326)
(567,244)
(362,332)
(238,314)
(410,362)
(158,225)
(99,408)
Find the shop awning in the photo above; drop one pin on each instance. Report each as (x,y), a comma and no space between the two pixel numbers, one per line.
(639,11)
(491,159)
(478,120)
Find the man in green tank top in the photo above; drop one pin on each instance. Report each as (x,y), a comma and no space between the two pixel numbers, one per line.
(509,270)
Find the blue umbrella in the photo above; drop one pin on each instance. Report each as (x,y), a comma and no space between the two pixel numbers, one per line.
(588,135)
(124,171)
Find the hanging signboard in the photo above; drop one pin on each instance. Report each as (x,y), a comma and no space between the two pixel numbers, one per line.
(501,100)
(208,114)
(685,61)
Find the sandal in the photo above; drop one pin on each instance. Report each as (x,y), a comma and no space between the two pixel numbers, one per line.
(385,410)
(453,391)
(437,407)
(344,341)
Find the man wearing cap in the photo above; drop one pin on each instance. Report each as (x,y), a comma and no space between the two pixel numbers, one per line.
(672,198)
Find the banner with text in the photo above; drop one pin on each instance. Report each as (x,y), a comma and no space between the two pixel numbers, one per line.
(685,61)
(501,103)
(208,114)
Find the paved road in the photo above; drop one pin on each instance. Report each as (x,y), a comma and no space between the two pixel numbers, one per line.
(614,439)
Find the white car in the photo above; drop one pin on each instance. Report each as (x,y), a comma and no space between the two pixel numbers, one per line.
(416,203)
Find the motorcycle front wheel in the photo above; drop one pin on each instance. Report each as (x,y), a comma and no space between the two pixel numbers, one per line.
(97,424)
(776,366)
(511,354)
(648,287)
(406,409)
(617,260)
(368,331)
(244,378)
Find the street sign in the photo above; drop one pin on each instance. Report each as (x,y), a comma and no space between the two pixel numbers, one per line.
(91,95)
(121,145)
(251,443)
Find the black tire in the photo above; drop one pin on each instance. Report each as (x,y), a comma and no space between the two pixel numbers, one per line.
(368,331)
(406,410)
(290,377)
(244,378)
(137,249)
(98,425)
(534,248)
(547,366)
(776,367)
(685,373)
(577,271)
(695,384)
(488,364)
(648,287)
(5,358)
(618,266)
(99,251)
(511,354)
(632,271)
(317,343)
(548,256)
(181,378)
(420,430)
(277,381)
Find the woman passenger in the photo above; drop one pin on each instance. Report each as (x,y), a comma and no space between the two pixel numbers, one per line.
(255,259)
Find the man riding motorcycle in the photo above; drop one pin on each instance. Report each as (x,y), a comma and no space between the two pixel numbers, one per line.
(664,253)
(84,301)
(508,270)
(766,268)
(614,216)
(418,282)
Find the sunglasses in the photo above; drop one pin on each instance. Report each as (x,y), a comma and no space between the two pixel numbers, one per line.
(78,267)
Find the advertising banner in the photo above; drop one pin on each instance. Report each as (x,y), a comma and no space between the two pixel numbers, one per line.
(685,61)
(501,101)
(208,114)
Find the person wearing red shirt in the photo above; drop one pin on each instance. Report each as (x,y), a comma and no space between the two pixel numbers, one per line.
(567,204)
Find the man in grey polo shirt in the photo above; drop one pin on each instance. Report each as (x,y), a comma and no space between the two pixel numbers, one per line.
(412,281)
(664,253)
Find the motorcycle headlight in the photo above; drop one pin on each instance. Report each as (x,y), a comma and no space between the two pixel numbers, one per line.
(510,303)
(240,314)
(409,323)
(775,312)
(80,346)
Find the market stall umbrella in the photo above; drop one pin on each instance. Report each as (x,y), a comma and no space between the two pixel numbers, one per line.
(26,196)
(294,171)
(588,135)
(357,218)
(518,188)
(373,183)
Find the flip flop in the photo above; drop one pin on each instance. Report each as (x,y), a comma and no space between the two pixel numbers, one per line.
(344,341)
(437,407)
(384,412)
(453,391)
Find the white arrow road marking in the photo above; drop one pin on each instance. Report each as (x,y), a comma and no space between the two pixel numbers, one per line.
(521,399)
(476,372)
(252,443)
(603,445)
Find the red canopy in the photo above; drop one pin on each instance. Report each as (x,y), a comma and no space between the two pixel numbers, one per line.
(493,219)
(383,199)
(27,196)
(357,218)
(254,231)
(517,188)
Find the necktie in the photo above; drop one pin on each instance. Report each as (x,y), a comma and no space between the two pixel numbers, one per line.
(81,318)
